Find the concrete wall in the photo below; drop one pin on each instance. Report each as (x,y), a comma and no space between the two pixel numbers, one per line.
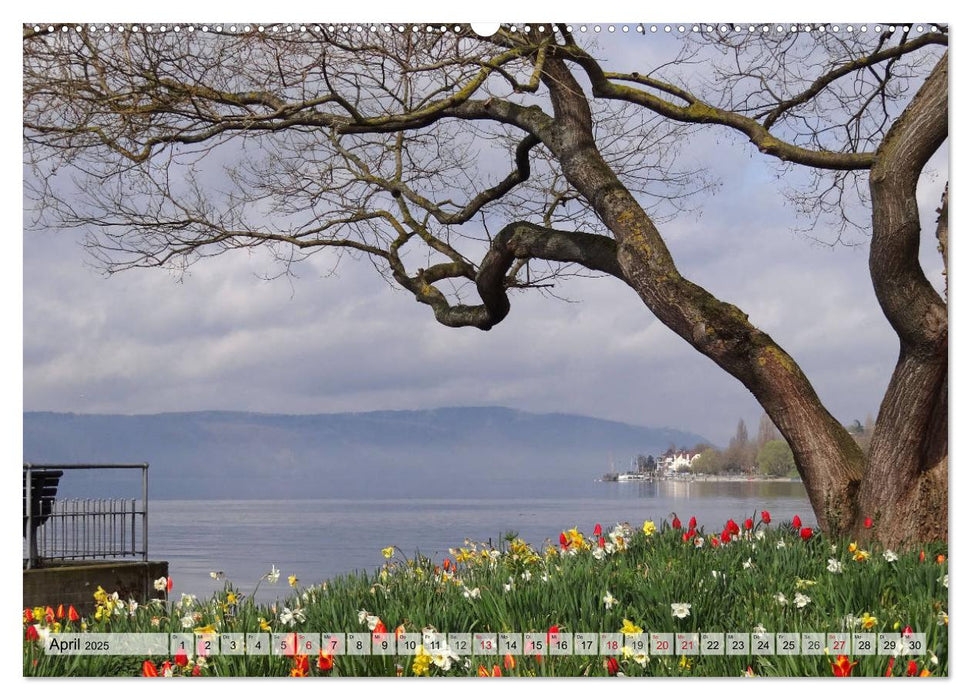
(75,584)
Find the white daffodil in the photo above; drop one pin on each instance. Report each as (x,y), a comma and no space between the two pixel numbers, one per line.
(641,658)
(609,600)
(760,535)
(160,584)
(680,610)
(132,606)
(444,658)
(291,617)
(188,621)
(747,564)
(890,556)
(599,553)
(834,566)
(801,600)
(943,580)
(699,542)
(527,575)
(274,574)
(781,544)
(471,593)
(759,629)
(781,599)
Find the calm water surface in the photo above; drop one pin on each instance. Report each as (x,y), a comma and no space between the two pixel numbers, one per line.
(319,539)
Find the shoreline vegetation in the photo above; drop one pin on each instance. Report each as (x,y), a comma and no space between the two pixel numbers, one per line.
(754,577)
(688,476)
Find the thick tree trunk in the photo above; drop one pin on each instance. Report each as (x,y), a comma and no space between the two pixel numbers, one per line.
(904,490)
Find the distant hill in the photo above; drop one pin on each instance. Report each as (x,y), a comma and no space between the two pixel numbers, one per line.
(446,452)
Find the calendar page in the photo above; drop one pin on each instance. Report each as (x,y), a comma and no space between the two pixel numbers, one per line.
(397,349)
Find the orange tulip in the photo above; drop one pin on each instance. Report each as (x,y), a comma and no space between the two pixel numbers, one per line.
(924,673)
(940,559)
(149,670)
(496,672)
(843,668)
(509,662)
(380,628)
(28,615)
(483,672)
(301,666)
(72,614)
(60,612)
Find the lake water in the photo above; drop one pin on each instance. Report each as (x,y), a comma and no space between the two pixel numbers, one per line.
(319,539)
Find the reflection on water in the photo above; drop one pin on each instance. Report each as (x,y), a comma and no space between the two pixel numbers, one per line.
(319,539)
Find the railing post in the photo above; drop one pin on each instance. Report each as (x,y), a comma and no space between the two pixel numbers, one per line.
(145,512)
(29,496)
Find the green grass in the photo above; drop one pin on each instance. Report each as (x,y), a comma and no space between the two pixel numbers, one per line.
(731,587)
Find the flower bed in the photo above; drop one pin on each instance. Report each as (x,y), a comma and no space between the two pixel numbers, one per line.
(665,578)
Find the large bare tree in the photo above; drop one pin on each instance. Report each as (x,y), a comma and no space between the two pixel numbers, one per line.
(168,147)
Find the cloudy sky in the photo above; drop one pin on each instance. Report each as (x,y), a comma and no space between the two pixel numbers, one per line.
(224,338)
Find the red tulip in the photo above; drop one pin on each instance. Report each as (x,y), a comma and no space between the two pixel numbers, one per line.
(31,633)
(612,666)
(49,614)
(921,557)
(766,518)
(597,530)
(676,524)
(196,671)
(726,536)
(563,540)
(552,635)
(72,614)
(691,532)
(149,670)
(685,537)
(602,542)
(28,614)
(748,523)
(889,668)
(796,522)
(166,669)
(843,668)
(692,524)
(447,564)
(380,628)
(325,662)
(714,541)
(732,527)
(911,668)
(867,523)
(496,672)
(806,533)
(907,631)
(181,658)
(168,584)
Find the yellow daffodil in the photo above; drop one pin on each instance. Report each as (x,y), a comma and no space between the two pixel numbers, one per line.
(293,580)
(231,598)
(804,583)
(861,555)
(207,629)
(264,625)
(649,528)
(868,622)
(685,663)
(852,547)
(630,628)
(421,663)
(388,552)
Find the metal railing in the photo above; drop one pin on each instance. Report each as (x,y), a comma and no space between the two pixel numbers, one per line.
(58,530)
